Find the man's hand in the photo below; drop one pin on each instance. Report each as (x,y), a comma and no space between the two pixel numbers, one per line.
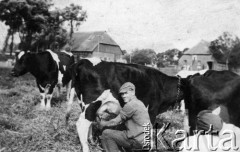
(113,122)
(102,124)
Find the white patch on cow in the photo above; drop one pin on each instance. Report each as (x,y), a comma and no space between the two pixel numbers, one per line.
(83,128)
(64,67)
(94,60)
(56,59)
(21,54)
(41,87)
(217,111)
(54,56)
(69,53)
(60,76)
(107,96)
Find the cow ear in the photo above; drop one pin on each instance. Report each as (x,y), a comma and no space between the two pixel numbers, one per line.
(17,52)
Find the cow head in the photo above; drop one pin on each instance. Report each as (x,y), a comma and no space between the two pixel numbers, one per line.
(20,67)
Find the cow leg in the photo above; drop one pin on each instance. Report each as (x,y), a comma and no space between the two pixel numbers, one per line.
(186,121)
(68,88)
(83,129)
(192,122)
(49,98)
(70,101)
(58,90)
(42,96)
(152,115)
(42,105)
(182,107)
(69,104)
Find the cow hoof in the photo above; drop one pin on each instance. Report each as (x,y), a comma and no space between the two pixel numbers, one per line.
(48,108)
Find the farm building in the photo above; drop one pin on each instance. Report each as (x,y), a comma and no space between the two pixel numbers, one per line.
(96,44)
(6,60)
(199,57)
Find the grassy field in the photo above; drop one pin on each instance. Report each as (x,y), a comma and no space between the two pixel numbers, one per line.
(25,128)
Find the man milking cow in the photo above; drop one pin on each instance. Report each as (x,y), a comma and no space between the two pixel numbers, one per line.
(134,115)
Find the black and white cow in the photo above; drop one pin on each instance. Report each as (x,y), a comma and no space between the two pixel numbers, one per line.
(91,79)
(47,67)
(214,90)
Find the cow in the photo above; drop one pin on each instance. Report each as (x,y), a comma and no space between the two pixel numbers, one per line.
(214,90)
(47,67)
(155,89)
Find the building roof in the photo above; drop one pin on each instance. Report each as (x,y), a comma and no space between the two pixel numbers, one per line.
(87,41)
(202,48)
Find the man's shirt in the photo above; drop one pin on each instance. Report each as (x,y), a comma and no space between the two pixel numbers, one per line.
(135,115)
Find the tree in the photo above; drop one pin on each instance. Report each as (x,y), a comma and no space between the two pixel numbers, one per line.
(74,13)
(38,27)
(222,47)
(10,14)
(234,61)
(172,56)
(144,56)
(26,17)
(53,36)
(184,50)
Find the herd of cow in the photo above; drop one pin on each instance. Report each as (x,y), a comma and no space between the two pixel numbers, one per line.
(90,78)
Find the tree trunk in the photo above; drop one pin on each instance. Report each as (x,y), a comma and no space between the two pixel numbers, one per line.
(5,44)
(12,43)
(71,23)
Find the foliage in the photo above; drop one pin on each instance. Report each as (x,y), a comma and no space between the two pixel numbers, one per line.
(148,56)
(26,17)
(127,57)
(223,46)
(38,27)
(169,57)
(74,13)
(144,56)
(234,61)
(184,50)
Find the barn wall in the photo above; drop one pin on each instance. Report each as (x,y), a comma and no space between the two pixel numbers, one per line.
(104,56)
(110,49)
(192,61)
(79,55)
(108,52)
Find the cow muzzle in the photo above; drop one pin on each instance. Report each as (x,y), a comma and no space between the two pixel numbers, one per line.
(14,73)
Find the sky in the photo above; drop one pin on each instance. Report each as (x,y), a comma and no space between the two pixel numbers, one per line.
(159,24)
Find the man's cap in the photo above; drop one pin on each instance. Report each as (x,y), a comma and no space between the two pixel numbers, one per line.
(126,86)
(205,118)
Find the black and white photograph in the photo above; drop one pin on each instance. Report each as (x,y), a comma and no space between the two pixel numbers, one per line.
(119,75)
